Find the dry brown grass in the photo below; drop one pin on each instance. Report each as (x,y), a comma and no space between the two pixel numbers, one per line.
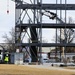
(25,70)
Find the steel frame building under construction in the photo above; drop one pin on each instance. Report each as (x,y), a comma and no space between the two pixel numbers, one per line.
(34,10)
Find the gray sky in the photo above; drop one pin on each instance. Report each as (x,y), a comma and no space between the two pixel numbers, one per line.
(7,21)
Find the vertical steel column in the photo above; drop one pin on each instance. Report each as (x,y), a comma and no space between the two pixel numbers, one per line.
(40,34)
(56,34)
(18,21)
(34,39)
(65,28)
(60,30)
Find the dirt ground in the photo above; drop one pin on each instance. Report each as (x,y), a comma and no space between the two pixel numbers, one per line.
(26,70)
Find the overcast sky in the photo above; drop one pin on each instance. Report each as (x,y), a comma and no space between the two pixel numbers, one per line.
(7,21)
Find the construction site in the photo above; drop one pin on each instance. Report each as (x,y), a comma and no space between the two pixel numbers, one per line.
(43,38)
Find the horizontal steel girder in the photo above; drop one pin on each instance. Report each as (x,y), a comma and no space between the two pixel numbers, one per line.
(47,6)
(47,44)
(47,25)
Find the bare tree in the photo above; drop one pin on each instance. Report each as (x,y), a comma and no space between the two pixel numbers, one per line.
(10,40)
(67,35)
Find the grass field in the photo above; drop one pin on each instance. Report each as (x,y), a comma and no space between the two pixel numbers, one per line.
(26,70)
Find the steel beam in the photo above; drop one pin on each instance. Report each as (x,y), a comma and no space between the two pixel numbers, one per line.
(47,25)
(47,6)
(47,44)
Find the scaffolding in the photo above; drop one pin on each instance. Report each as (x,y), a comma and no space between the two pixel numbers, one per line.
(34,11)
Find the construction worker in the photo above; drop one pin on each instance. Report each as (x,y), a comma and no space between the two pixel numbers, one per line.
(6,59)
